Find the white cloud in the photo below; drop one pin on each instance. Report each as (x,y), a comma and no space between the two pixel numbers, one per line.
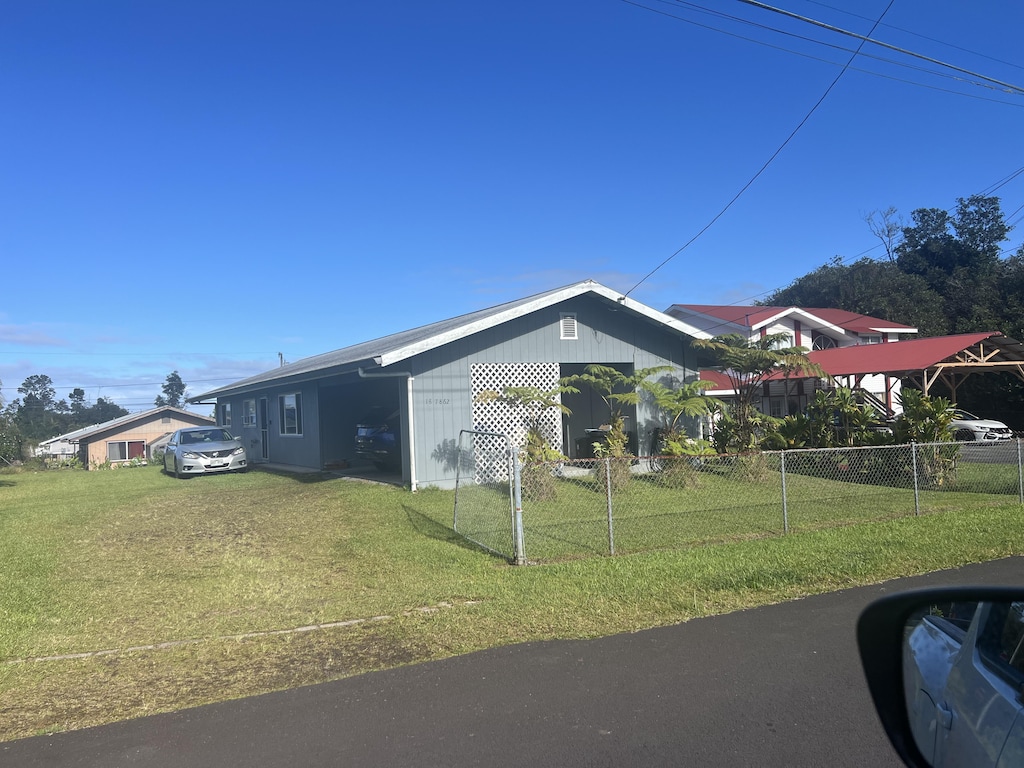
(34,334)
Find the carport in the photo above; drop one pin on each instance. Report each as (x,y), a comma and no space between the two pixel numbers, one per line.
(347,401)
(925,363)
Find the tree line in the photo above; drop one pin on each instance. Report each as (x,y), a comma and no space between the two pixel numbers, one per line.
(38,415)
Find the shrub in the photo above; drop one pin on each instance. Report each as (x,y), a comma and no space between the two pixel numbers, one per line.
(538,484)
(753,468)
(678,472)
(614,469)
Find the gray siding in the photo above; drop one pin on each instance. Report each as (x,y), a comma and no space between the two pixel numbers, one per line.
(295,450)
(442,397)
(606,335)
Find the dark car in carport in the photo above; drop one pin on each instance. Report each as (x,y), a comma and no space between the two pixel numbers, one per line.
(378,439)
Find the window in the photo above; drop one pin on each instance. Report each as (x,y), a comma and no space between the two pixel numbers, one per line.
(291,414)
(821,341)
(225,414)
(870,339)
(123,450)
(568,326)
(952,618)
(248,413)
(1001,640)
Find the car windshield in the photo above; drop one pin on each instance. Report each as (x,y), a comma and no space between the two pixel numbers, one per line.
(206,436)
(960,414)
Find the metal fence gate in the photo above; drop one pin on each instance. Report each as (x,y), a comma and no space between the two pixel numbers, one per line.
(488,509)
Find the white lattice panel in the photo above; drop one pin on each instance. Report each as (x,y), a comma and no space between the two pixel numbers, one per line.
(494,416)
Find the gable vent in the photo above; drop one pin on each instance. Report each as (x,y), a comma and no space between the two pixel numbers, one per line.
(568,326)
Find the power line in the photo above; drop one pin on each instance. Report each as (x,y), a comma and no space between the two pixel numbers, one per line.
(737,19)
(917,34)
(762,169)
(815,41)
(867,39)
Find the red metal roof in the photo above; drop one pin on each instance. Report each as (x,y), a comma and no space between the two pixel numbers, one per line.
(752,317)
(896,357)
(721,381)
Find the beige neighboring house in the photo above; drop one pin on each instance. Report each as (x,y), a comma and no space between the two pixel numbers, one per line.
(128,437)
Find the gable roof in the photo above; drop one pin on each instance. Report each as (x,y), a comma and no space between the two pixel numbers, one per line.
(123,421)
(755,318)
(397,347)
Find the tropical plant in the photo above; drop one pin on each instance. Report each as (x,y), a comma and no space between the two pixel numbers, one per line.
(616,389)
(531,403)
(673,403)
(924,419)
(927,420)
(838,418)
(748,364)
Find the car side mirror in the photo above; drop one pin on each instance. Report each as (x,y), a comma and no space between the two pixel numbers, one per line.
(945,668)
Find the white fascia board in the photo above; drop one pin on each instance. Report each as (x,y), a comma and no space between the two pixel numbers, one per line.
(813,320)
(773,319)
(570,292)
(885,329)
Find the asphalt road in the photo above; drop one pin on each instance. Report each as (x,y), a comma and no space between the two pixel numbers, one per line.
(773,686)
(996,452)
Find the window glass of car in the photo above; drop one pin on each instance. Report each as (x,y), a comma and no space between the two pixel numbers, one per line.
(952,618)
(1001,641)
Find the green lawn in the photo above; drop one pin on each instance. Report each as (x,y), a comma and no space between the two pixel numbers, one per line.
(121,560)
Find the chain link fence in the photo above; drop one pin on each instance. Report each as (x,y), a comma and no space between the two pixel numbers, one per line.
(485,489)
(619,505)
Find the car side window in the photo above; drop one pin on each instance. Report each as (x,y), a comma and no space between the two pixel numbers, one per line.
(1001,640)
(952,618)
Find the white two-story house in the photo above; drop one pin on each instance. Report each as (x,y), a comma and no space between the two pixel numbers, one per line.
(814,329)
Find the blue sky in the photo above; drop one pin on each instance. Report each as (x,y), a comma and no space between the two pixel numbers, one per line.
(199,186)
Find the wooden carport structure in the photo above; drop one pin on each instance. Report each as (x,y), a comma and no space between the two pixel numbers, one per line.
(945,360)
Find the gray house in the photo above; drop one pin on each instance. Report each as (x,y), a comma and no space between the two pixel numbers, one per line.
(427,380)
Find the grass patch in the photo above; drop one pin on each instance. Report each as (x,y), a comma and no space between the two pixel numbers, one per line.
(95,561)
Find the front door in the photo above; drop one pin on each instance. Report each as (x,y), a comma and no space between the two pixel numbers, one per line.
(264,430)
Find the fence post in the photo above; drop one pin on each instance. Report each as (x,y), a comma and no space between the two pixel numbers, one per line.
(917,497)
(517,510)
(1020,474)
(608,497)
(785,503)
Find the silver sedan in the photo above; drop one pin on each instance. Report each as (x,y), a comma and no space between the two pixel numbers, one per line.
(197,450)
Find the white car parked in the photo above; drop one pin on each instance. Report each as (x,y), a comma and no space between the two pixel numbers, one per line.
(197,450)
(966,426)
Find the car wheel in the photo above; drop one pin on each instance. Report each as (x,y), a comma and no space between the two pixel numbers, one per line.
(177,474)
(963,436)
